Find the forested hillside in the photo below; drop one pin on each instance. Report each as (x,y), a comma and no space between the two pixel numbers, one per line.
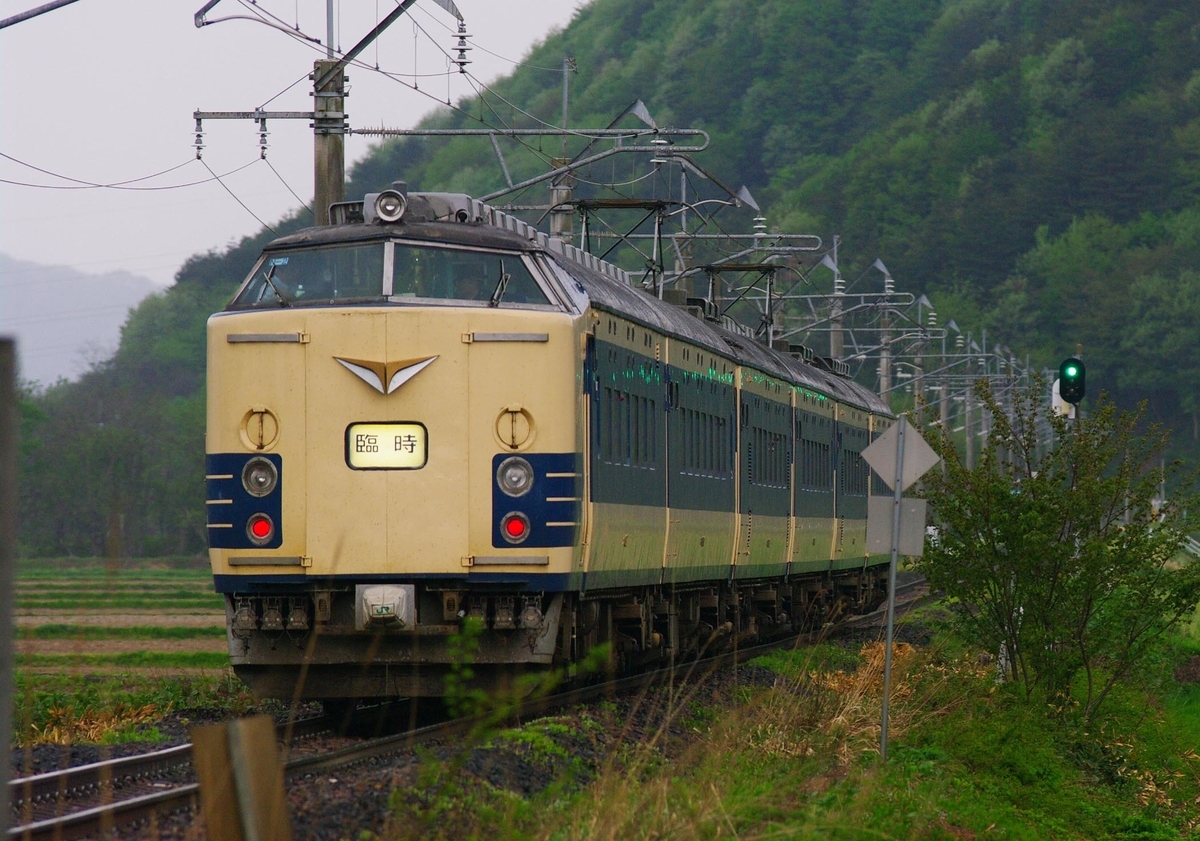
(1031,165)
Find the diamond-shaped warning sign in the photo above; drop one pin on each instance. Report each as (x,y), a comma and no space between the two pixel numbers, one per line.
(918,456)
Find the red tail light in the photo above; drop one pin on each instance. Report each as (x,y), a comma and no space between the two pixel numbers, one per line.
(515,527)
(260,529)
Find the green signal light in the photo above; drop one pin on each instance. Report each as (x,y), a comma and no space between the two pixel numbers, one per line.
(1072,380)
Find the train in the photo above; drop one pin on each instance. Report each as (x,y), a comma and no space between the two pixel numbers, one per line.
(429,417)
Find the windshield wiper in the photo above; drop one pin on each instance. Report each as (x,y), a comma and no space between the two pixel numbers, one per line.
(501,285)
(269,277)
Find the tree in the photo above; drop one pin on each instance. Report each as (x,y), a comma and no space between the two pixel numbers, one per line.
(1159,342)
(1062,554)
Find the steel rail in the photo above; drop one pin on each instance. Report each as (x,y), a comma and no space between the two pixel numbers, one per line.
(118,813)
(69,781)
(34,792)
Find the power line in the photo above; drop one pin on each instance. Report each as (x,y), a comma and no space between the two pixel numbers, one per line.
(236,199)
(80,184)
(303,203)
(68,315)
(475,45)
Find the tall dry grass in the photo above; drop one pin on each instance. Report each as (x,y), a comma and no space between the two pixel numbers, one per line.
(760,759)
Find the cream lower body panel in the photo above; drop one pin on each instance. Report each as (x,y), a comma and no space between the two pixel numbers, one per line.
(699,545)
(854,539)
(626,548)
(762,546)
(851,548)
(812,543)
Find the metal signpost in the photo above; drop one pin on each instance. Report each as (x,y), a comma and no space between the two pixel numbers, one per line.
(909,460)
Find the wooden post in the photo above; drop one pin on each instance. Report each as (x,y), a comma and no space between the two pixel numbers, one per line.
(241,781)
(8,553)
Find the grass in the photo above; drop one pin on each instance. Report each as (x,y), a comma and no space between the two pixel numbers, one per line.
(74,584)
(167,564)
(211,602)
(799,760)
(109,698)
(133,659)
(108,709)
(133,632)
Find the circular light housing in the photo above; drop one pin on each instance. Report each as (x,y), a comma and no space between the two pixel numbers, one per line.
(515,527)
(260,529)
(259,476)
(390,206)
(515,476)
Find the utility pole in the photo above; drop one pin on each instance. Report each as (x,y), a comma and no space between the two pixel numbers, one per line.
(328,117)
(329,136)
(968,398)
(835,316)
(561,213)
(885,339)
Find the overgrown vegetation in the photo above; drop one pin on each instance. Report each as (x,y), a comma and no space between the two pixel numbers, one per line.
(1062,557)
(797,757)
(66,708)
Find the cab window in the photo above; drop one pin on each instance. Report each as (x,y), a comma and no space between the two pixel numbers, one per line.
(459,275)
(319,275)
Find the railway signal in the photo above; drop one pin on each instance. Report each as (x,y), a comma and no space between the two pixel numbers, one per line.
(1072,380)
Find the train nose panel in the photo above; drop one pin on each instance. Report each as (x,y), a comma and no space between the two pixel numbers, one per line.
(387,443)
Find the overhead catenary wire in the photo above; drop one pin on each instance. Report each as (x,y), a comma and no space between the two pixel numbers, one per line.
(80,184)
(282,181)
(303,78)
(66,315)
(236,199)
(475,45)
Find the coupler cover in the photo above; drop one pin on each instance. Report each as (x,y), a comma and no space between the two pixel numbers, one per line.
(379,607)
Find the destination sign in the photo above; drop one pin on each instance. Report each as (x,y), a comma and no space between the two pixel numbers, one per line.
(386,446)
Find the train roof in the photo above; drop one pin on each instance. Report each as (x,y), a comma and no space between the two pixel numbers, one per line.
(607,286)
(636,304)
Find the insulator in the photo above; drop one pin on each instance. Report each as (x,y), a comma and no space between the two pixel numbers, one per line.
(262,139)
(462,47)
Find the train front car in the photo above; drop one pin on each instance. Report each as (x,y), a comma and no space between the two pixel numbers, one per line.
(391,447)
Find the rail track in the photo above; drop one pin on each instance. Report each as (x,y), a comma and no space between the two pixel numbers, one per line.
(86,800)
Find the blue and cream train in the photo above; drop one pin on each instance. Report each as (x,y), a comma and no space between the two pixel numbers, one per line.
(429,411)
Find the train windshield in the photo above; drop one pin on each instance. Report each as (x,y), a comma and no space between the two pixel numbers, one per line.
(318,275)
(345,274)
(460,275)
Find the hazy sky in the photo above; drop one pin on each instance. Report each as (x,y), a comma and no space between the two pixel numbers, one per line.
(102,92)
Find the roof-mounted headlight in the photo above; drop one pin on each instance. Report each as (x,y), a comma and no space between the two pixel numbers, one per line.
(388,206)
